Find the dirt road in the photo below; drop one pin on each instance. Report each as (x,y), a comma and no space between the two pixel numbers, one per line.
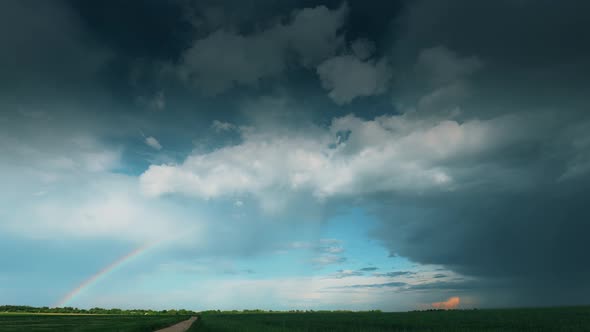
(180,327)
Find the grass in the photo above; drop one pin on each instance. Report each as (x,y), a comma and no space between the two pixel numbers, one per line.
(84,323)
(540,319)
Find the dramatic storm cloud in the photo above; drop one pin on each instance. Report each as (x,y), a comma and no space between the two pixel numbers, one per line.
(226,57)
(296,154)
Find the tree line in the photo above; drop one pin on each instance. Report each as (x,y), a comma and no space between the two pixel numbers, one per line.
(260,311)
(94,311)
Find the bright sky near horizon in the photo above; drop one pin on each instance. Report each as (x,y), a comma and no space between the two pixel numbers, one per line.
(313,154)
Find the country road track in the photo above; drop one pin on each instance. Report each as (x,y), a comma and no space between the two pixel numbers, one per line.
(180,327)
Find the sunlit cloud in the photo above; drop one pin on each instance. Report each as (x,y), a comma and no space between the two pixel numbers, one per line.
(451,303)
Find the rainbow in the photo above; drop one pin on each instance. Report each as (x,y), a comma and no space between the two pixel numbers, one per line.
(103,272)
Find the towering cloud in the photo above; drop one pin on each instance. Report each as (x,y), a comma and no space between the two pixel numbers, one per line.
(451,303)
(352,156)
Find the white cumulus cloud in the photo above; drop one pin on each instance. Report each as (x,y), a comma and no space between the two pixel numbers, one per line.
(153,142)
(351,157)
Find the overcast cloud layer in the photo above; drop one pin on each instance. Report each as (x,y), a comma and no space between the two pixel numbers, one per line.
(232,131)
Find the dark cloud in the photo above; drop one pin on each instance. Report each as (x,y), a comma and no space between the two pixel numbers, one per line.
(226,58)
(535,58)
(138,29)
(346,273)
(46,53)
(383,285)
(394,274)
(533,62)
(444,286)
(504,236)
(525,37)
(369,269)
(352,273)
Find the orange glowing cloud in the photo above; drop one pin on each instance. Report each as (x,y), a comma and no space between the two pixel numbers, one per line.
(451,303)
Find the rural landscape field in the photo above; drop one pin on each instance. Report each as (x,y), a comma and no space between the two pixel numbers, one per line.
(543,319)
(85,323)
(539,319)
(294,165)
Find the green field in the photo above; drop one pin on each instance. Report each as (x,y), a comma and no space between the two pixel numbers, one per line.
(544,319)
(540,319)
(85,323)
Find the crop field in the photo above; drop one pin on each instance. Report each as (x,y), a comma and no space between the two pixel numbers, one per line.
(544,319)
(540,319)
(85,323)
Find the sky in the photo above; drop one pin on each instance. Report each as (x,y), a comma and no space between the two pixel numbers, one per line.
(392,155)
